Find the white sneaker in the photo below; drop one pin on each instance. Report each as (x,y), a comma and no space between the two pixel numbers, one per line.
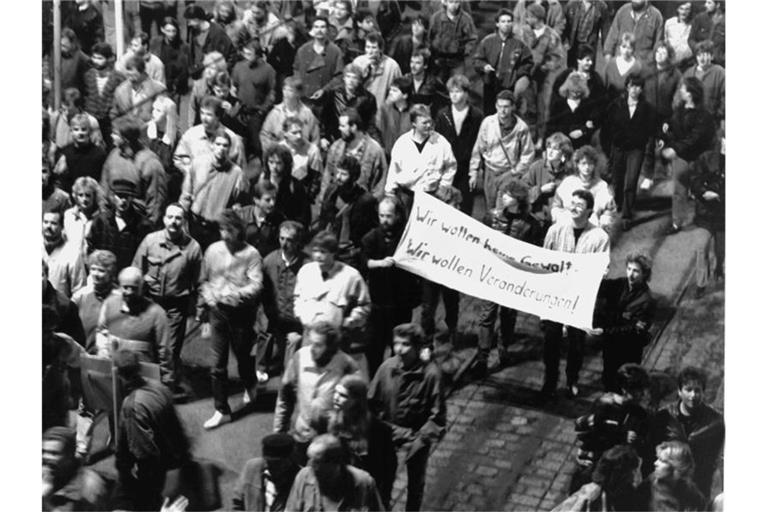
(262,377)
(246,397)
(646,184)
(216,420)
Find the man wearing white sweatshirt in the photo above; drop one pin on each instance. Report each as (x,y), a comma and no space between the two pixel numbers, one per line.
(422,159)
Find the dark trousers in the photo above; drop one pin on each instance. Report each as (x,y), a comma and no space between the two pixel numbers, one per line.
(383,320)
(142,491)
(431,295)
(231,326)
(176,311)
(507,320)
(617,351)
(491,88)
(625,171)
(416,466)
(553,336)
(253,141)
(150,15)
(461,182)
(278,355)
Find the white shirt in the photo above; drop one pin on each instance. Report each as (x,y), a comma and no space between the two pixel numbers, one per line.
(101,81)
(459,116)
(632,108)
(676,34)
(624,66)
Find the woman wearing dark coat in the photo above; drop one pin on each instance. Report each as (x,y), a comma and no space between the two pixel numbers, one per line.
(689,132)
(572,114)
(628,124)
(174,53)
(292,199)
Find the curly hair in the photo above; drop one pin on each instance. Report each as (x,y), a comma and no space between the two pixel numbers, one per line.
(592,155)
(614,471)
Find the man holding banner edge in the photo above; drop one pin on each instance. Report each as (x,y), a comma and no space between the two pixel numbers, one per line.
(578,236)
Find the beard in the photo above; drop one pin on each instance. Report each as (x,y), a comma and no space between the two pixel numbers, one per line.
(638,6)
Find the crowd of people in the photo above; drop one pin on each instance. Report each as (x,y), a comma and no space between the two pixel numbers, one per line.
(250,166)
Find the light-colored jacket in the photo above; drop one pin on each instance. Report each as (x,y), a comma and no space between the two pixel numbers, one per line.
(560,237)
(494,154)
(434,167)
(342,296)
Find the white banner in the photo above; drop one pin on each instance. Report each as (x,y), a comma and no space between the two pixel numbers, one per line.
(442,244)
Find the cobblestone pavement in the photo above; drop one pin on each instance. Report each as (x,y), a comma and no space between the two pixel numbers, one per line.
(504,451)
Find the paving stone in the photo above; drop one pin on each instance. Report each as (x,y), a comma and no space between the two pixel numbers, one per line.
(547,504)
(486,471)
(533,481)
(475,489)
(536,492)
(523,500)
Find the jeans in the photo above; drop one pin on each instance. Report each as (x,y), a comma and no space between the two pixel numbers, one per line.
(625,169)
(507,319)
(681,205)
(431,295)
(553,337)
(231,325)
(491,183)
(176,311)
(715,242)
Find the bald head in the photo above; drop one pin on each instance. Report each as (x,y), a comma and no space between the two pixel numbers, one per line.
(131,281)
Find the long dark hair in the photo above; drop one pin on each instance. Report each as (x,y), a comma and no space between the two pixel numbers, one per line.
(169,20)
(615,470)
(285,156)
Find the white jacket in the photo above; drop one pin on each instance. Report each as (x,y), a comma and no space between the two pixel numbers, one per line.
(434,167)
